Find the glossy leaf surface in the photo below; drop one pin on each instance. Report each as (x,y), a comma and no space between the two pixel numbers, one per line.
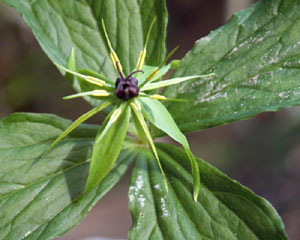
(225,209)
(61,25)
(39,197)
(256,60)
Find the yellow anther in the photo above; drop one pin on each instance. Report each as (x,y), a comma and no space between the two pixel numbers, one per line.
(158,97)
(136,106)
(115,115)
(100,93)
(113,55)
(141,59)
(96,81)
(114,58)
(152,74)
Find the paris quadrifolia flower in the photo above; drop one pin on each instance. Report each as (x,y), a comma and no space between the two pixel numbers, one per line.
(131,100)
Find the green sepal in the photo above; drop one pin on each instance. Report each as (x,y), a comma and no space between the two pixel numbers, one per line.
(158,115)
(108,144)
(141,121)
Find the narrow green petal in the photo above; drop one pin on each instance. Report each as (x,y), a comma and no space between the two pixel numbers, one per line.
(90,79)
(75,124)
(148,70)
(108,144)
(152,76)
(141,60)
(95,93)
(137,111)
(151,86)
(113,56)
(163,98)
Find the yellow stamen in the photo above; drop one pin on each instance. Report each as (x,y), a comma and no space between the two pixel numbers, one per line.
(113,55)
(152,74)
(158,97)
(100,93)
(115,115)
(136,106)
(141,60)
(95,81)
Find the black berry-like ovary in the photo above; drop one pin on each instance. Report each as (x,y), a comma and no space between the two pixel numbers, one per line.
(127,88)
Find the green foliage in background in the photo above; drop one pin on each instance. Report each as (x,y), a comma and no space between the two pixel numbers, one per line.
(256,61)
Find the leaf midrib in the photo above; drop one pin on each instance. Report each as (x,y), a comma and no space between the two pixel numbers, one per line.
(45,178)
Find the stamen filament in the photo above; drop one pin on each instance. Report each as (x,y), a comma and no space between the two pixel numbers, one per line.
(120,71)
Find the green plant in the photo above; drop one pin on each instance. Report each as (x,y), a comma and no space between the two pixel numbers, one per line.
(255,58)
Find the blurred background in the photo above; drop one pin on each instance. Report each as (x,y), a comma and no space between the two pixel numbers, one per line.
(262,153)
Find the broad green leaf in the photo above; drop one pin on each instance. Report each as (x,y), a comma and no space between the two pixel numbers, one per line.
(39,197)
(108,144)
(225,209)
(256,60)
(159,116)
(62,25)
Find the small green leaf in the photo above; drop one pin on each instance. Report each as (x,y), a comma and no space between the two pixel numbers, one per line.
(159,116)
(108,144)
(139,116)
(225,209)
(256,60)
(39,197)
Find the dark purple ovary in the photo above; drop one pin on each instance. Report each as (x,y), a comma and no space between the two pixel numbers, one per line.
(127,88)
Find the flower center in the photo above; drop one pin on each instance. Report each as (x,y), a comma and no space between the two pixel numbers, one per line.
(126,88)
